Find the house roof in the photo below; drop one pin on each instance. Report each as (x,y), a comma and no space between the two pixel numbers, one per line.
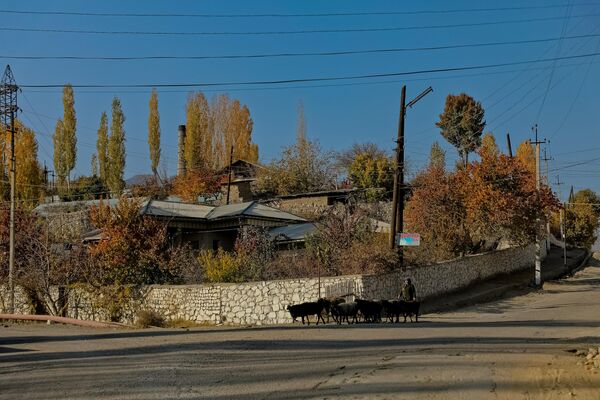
(293,232)
(170,209)
(328,193)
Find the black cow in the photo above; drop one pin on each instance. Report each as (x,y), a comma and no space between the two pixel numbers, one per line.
(408,309)
(329,304)
(343,311)
(307,309)
(370,310)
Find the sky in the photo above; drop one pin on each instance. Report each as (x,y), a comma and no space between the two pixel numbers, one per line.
(559,96)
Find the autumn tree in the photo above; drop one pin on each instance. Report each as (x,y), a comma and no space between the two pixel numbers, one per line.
(489,148)
(195,183)
(154,133)
(303,167)
(581,219)
(375,173)
(102,148)
(69,131)
(436,211)
(196,135)
(437,156)
(462,123)
(526,155)
(94,165)
(136,248)
(60,162)
(116,149)
(29,176)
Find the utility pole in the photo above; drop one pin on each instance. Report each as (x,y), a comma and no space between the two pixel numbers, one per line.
(8,109)
(397,222)
(229,175)
(510,154)
(562,223)
(538,250)
(546,159)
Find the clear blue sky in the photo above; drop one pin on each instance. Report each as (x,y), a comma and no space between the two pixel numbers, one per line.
(337,115)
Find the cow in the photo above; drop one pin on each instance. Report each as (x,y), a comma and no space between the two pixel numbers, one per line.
(307,309)
(370,310)
(343,311)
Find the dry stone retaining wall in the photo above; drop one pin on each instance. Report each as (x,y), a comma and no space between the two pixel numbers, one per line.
(265,302)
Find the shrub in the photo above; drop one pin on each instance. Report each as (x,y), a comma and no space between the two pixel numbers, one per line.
(148,318)
(221,266)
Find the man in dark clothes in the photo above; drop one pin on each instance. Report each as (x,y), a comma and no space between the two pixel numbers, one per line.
(408,293)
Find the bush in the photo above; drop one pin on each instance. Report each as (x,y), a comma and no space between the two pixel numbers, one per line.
(221,266)
(148,318)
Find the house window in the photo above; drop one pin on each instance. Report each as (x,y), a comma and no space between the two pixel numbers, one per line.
(215,245)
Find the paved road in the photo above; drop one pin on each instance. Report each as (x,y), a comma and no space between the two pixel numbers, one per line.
(511,349)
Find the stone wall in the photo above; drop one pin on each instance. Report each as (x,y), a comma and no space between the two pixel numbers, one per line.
(265,302)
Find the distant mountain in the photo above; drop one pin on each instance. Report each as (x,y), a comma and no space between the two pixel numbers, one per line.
(138,180)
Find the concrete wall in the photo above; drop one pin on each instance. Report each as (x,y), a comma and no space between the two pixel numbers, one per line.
(265,302)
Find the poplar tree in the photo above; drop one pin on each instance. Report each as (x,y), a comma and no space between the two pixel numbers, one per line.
(94,163)
(102,148)
(197,124)
(59,153)
(29,172)
(154,133)
(116,149)
(437,156)
(69,137)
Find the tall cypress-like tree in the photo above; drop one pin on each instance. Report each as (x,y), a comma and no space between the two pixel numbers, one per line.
(59,154)
(102,149)
(116,149)
(197,125)
(437,156)
(29,172)
(69,135)
(154,133)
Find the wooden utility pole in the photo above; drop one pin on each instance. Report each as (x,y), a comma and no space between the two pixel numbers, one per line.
(538,245)
(229,175)
(397,204)
(510,154)
(562,222)
(13,186)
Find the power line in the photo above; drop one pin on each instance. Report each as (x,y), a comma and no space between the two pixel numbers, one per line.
(296,32)
(300,54)
(323,79)
(289,15)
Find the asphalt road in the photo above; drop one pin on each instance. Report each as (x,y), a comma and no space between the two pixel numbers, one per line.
(510,349)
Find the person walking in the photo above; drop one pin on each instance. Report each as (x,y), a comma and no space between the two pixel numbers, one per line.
(408,291)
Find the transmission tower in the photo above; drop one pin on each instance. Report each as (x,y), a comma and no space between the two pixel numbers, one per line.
(8,111)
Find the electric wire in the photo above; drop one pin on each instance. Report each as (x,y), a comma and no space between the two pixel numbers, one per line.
(290,32)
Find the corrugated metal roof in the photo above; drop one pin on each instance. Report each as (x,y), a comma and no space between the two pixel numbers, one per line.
(229,210)
(161,208)
(70,206)
(292,232)
(260,210)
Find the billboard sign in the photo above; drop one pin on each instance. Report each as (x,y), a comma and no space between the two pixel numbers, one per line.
(408,239)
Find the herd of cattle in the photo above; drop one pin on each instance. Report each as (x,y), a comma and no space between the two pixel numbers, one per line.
(351,312)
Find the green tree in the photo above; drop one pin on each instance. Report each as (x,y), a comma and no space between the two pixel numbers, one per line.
(69,135)
(197,125)
(102,148)
(375,173)
(60,163)
(154,133)
(116,149)
(582,218)
(462,123)
(437,156)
